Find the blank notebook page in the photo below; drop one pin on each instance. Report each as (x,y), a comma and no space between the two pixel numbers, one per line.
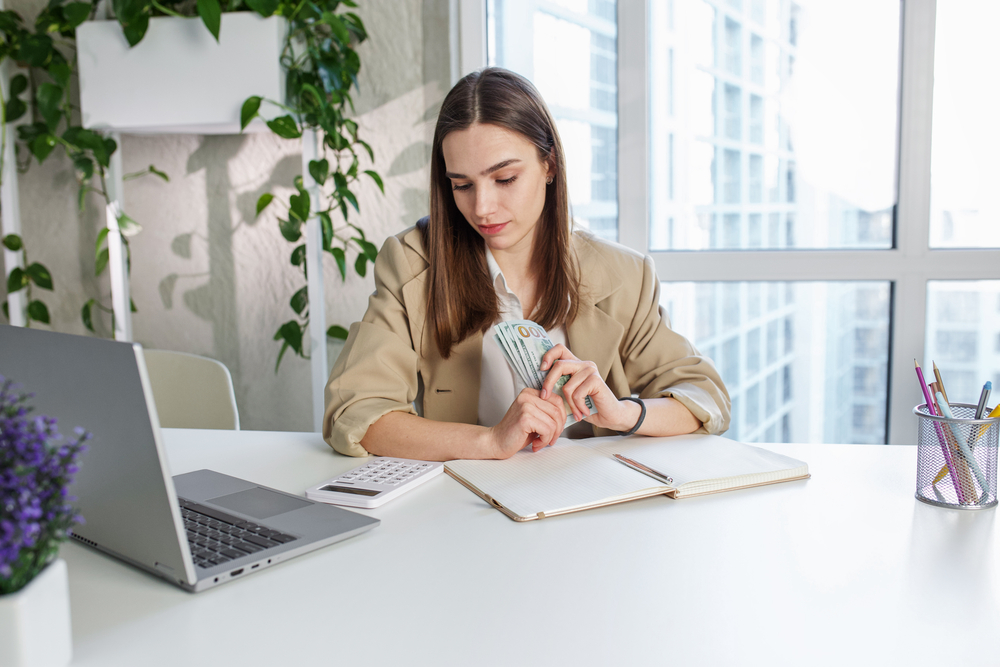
(559,477)
(693,458)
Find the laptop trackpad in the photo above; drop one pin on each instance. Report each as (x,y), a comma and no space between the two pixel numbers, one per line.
(259,503)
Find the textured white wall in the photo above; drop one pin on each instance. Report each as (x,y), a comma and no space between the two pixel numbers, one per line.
(206,277)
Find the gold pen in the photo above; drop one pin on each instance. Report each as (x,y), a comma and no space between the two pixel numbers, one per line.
(937,376)
(638,467)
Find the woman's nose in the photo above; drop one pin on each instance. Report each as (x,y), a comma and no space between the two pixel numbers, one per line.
(486,202)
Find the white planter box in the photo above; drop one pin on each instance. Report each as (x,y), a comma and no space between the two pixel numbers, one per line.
(34,622)
(178,79)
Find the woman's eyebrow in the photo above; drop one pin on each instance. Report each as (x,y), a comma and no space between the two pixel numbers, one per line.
(485,172)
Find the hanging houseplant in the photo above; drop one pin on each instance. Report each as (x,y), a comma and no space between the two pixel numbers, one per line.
(321,67)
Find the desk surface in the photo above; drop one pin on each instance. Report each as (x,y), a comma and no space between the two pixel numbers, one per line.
(844,568)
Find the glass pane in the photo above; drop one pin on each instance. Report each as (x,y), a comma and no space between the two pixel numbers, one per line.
(803,361)
(965,137)
(963,336)
(571,55)
(773,123)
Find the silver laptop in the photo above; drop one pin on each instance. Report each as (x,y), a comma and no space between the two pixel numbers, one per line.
(196,530)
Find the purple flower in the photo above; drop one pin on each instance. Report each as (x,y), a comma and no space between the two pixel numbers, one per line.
(37,465)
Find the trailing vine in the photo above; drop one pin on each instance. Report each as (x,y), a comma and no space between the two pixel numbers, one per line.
(47,56)
(321,66)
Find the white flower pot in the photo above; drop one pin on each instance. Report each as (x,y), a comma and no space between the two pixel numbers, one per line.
(34,622)
(178,78)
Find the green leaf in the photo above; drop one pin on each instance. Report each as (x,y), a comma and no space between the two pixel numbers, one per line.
(36,50)
(349,196)
(263,7)
(211,14)
(378,179)
(340,180)
(81,196)
(153,170)
(15,109)
(38,312)
(337,331)
(299,255)
(135,30)
(290,229)
(291,332)
(131,305)
(6,311)
(16,279)
(300,300)
(319,170)
(102,262)
(18,85)
(368,149)
(40,275)
(86,315)
(85,166)
(326,225)
(76,13)
(249,111)
(102,236)
(128,226)
(361,264)
(337,27)
(317,98)
(368,248)
(284,346)
(13,242)
(41,146)
(338,254)
(285,127)
(61,73)
(298,206)
(264,200)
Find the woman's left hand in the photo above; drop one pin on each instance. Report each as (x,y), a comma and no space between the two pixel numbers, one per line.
(585,380)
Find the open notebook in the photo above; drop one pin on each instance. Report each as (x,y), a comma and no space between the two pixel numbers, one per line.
(574,475)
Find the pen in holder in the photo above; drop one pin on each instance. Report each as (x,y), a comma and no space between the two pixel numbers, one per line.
(957,458)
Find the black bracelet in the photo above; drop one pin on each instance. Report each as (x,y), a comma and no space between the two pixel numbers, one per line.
(642,415)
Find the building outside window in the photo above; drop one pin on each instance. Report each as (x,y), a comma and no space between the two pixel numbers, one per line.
(786,212)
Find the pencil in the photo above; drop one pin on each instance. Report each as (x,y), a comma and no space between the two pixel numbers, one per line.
(940,434)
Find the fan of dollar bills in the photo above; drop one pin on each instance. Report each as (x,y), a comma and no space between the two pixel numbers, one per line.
(523,343)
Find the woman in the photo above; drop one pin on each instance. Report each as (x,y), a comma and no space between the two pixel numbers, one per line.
(418,379)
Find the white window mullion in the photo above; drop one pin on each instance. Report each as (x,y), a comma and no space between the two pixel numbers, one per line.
(633,126)
(913,218)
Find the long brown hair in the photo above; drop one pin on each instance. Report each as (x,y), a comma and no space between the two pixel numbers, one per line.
(461,299)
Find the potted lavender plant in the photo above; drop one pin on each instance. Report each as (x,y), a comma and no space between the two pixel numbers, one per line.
(37,465)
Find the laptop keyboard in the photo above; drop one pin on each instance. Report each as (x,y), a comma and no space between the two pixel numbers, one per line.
(216,537)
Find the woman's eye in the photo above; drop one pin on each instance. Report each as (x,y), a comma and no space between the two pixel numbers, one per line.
(507,181)
(460,187)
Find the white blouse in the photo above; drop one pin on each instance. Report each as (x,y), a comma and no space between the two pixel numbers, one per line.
(499,384)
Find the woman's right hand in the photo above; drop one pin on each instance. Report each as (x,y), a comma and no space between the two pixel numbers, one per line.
(530,420)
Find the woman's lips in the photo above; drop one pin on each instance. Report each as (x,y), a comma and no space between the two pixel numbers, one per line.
(492,229)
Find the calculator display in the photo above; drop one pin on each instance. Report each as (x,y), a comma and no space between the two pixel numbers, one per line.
(350,489)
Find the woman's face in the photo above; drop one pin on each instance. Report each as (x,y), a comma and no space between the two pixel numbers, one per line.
(498,182)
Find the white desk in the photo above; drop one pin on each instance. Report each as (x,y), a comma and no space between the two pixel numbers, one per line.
(845,568)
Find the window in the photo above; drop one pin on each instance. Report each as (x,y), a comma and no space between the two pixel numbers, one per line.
(749,131)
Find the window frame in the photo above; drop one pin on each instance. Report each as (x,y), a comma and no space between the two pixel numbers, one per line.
(907,265)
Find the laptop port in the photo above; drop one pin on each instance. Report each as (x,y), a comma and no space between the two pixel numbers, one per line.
(236,572)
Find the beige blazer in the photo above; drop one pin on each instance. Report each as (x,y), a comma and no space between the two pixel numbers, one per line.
(391,362)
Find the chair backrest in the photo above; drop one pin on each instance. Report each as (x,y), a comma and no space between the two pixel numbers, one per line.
(191,391)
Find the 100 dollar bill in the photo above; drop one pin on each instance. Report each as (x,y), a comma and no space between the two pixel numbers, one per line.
(524,343)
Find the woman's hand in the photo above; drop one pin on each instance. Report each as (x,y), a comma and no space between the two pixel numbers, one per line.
(530,420)
(585,380)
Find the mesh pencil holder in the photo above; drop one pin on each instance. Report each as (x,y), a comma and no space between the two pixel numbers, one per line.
(957,458)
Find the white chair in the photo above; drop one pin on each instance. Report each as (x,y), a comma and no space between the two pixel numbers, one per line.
(191,391)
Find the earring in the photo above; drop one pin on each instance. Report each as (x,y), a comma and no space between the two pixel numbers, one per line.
(548,181)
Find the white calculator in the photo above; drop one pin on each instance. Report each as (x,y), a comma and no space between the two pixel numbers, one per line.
(374,483)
